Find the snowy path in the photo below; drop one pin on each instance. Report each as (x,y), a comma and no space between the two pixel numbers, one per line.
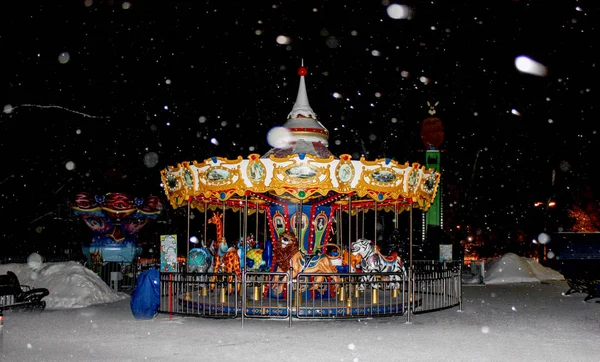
(506,322)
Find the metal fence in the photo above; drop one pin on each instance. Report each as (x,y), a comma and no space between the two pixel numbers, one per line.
(438,284)
(120,276)
(434,286)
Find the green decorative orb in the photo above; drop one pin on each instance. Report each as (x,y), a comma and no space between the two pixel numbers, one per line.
(302,193)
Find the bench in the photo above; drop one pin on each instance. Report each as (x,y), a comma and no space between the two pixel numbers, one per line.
(578,260)
(14,295)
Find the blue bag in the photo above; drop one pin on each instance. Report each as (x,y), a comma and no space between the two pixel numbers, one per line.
(145,299)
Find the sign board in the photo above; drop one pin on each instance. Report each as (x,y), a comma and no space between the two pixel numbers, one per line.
(445,252)
(168,253)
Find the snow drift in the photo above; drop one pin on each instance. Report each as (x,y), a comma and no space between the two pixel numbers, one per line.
(511,268)
(71,284)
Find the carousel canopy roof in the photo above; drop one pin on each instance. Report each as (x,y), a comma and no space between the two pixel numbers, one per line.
(305,171)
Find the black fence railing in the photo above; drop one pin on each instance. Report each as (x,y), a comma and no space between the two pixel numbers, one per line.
(435,286)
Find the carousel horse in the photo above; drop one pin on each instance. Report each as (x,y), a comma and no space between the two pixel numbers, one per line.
(302,263)
(374,262)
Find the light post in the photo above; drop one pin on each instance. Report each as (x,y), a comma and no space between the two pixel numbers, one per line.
(546,205)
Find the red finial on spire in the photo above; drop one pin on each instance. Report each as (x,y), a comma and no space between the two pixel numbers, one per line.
(302,71)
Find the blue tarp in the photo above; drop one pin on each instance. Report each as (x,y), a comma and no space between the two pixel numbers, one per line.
(145,299)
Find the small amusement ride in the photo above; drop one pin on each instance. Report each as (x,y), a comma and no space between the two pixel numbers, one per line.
(292,215)
(115,219)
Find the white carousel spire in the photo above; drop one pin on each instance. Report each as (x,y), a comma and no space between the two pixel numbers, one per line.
(302,107)
(302,121)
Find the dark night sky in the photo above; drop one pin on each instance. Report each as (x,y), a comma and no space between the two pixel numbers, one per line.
(167,76)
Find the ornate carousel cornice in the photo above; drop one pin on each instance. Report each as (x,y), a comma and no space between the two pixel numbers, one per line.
(299,178)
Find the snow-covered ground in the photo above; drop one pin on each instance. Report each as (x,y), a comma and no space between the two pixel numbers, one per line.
(520,314)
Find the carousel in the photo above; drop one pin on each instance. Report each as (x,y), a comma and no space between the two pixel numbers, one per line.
(296,201)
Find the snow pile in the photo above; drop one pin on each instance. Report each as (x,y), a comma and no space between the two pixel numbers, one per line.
(71,285)
(512,268)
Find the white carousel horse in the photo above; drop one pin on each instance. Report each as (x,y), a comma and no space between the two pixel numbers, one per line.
(372,261)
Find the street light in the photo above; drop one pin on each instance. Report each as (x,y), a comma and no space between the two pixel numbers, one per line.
(550,204)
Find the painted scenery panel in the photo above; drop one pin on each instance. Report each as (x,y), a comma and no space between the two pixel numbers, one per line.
(301,172)
(217,175)
(383,176)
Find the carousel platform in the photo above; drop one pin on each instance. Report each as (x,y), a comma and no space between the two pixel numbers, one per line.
(310,305)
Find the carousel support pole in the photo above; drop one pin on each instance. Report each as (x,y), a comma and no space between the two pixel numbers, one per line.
(395,291)
(396,215)
(245,227)
(356,226)
(363,222)
(299,235)
(223,225)
(265,228)
(350,242)
(243,281)
(410,266)
(338,219)
(187,242)
(223,295)
(297,222)
(349,229)
(244,296)
(289,296)
(205,222)
(375,240)
(256,235)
